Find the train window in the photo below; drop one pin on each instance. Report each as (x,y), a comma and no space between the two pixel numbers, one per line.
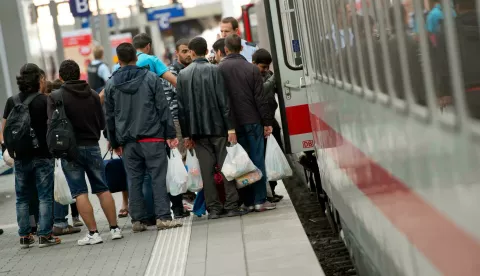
(252,15)
(291,34)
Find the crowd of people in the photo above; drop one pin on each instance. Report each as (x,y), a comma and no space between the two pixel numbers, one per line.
(144,110)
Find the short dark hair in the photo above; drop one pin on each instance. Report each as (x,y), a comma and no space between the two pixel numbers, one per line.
(198,45)
(29,79)
(220,45)
(233,43)
(69,70)
(181,42)
(232,21)
(141,40)
(262,56)
(126,53)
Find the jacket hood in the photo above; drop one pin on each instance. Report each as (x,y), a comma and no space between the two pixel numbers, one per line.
(128,79)
(79,88)
(467,25)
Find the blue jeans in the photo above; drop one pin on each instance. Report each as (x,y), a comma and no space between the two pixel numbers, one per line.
(147,194)
(89,161)
(147,159)
(251,138)
(60,213)
(40,170)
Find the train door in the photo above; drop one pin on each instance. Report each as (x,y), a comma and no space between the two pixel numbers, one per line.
(284,36)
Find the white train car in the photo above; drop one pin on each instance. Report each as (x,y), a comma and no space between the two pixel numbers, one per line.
(400,171)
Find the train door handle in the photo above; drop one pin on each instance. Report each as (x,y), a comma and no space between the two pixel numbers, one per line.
(289,87)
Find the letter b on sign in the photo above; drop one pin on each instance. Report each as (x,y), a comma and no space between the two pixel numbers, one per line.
(79,8)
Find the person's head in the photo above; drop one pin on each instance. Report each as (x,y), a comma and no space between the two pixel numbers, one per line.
(198,47)
(182,52)
(28,80)
(262,59)
(228,26)
(69,70)
(143,43)
(43,81)
(233,44)
(127,55)
(98,52)
(219,49)
(53,85)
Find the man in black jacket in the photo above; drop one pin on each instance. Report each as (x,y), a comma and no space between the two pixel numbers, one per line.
(252,114)
(204,116)
(84,110)
(139,122)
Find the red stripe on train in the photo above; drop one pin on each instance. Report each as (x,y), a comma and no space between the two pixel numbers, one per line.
(298,119)
(448,247)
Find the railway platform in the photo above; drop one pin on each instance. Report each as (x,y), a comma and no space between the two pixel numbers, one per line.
(269,243)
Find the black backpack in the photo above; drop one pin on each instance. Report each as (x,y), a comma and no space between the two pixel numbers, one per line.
(19,136)
(60,134)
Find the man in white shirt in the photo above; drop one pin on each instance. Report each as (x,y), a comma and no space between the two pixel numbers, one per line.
(228,26)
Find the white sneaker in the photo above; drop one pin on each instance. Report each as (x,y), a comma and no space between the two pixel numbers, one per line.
(116,233)
(90,239)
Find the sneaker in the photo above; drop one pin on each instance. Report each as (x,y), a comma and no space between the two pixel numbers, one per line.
(1,231)
(90,239)
(248,208)
(45,241)
(116,233)
(265,206)
(138,227)
(237,212)
(77,222)
(26,241)
(167,224)
(58,231)
(181,214)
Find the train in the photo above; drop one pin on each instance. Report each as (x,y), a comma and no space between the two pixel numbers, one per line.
(397,177)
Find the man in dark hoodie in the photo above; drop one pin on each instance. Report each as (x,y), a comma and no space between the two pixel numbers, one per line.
(468,38)
(83,109)
(252,114)
(139,122)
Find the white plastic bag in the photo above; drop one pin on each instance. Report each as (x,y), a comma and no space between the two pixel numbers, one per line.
(237,163)
(195,182)
(177,175)
(61,190)
(276,164)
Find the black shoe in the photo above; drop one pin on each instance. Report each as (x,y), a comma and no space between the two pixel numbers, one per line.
(237,212)
(45,241)
(216,215)
(1,231)
(278,197)
(26,241)
(181,214)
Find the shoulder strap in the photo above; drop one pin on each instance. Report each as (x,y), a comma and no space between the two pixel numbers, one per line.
(30,98)
(16,99)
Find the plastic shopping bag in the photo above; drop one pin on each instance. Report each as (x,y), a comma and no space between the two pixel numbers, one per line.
(177,175)
(61,191)
(195,182)
(276,164)
(237,163)
(248,179)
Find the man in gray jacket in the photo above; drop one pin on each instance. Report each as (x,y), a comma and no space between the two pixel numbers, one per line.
(139,123)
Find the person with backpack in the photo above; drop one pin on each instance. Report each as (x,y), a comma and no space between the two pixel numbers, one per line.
(139,125)
(98,72)
(24,132)
(76,120)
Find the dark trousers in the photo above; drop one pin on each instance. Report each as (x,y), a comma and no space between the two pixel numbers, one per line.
(278,136)
(141,159)
(251,138)
(210,152)
(177,201)
(74,210)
